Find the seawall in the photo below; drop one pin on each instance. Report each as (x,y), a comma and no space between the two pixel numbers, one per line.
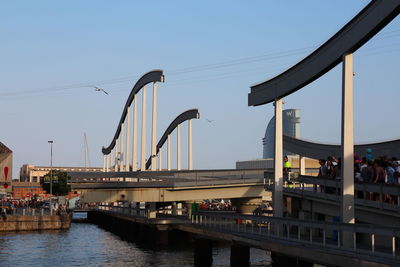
(35,223)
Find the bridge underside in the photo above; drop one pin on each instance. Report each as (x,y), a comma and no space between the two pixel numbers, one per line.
(170,194)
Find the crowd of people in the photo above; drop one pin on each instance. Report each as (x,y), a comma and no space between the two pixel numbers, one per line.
(217,206)
(380,170)
(11,206)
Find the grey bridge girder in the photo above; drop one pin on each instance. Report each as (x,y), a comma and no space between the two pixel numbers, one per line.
(151,76)
(319,150)
(187,115)
(369,21)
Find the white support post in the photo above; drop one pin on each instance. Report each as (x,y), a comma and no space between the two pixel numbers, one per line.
(135,135)
(302,165)
(104,163)
(107,165)
(169,153)
(190,151)
(128,140)
(278,161)
(160,159)
(178,147)
(121,143)
(108,162)
(116,156)
(154,130)
(143,139)
(347,147)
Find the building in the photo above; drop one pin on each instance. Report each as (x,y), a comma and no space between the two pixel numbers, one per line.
(27,190)
(34,174)
(291,127)
(6,162)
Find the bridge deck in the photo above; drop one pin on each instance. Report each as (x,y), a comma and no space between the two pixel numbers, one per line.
(308,240)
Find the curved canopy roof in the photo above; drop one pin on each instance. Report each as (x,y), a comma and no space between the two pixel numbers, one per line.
(151,76)
(187,115)
(375,16)
(322,151)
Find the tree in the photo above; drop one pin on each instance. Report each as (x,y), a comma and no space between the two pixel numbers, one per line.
(60,183)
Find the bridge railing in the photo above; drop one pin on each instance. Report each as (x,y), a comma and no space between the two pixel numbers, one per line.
(370,240)
(381,196)
(136,212)
(162,179)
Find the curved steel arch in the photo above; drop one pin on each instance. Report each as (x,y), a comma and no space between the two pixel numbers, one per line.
(368,22)
(151,76)
(318,150)
(187,115)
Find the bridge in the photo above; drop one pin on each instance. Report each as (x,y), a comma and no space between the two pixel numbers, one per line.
(296,229)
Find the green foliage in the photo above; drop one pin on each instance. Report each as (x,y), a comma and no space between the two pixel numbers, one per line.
(60,183)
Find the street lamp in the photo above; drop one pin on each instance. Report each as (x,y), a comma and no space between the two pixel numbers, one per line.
(51,166)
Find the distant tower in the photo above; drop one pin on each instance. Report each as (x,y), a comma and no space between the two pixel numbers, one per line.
(291,127)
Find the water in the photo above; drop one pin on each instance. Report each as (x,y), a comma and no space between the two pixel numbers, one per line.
(89,245)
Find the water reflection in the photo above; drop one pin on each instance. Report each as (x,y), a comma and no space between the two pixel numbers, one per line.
(88,245)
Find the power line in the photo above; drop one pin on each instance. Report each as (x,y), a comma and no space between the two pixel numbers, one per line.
(198,68)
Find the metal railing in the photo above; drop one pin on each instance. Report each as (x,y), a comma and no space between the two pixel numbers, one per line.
(134,212)
(28,212)
(364,237)
(364,193)
(142,212)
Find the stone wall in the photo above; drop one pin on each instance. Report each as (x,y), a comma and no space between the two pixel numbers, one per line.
(34,223)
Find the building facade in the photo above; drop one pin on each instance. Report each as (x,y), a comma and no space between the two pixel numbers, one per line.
(34,174)
(6,163)
(291,127)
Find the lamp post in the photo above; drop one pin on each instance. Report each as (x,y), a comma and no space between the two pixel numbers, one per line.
(51,166)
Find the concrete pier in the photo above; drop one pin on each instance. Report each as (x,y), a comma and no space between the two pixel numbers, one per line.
(35,222)
(203,252)
(279,260)
(240,256)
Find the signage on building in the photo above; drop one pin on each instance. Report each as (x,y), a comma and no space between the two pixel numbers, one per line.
(46,179)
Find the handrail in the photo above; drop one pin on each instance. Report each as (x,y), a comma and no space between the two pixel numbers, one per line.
(311,233)
(375,188)
(187,115)
(151,76)
(358,227)
(368,22)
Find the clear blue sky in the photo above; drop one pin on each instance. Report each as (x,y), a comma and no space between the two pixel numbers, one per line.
(211,52)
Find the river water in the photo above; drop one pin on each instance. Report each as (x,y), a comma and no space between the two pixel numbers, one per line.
(88,245)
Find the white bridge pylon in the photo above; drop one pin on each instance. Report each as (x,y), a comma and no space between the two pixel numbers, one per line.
(121,156)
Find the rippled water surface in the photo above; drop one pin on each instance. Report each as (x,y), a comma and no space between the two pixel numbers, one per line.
(89,245)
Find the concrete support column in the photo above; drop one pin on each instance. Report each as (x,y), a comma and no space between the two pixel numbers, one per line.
(116,155)
(134,142)
(278,161)
(154,130)
(104,163)
(107,162)
(174,209)
(151,210)
(121,153)
(160,159)
(190,151)
(128,140)
(178,147)
(169,153)
(143,152)
(347,147)
(203,252)
(246,205)
(302,165)
(240,256)
(279,260)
